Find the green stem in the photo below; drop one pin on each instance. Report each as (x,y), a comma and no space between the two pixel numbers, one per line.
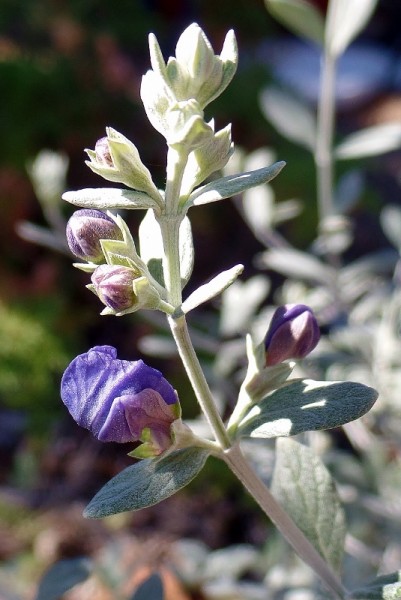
(324,142)
(302,546)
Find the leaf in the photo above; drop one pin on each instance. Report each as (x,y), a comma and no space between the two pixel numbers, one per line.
(385,587)
(298,265)
(305,489)
(307,405)
(345,20)
(240,302)
(152,250)
(299,16)
(370,141)
(211,289)
(390,219)
(232,185)
(150,589)
(146,483)
(109,199)
(290,117)
(62,576)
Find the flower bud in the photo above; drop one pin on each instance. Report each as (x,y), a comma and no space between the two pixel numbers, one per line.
(86,228)
(102,151)
(114,286)
(293,333)
(119,400)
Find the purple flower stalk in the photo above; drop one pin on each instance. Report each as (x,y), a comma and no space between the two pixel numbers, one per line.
(119,400)
(86,228)
(293,333)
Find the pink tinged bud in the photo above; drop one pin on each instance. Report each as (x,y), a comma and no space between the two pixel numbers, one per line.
(84,231)
(293,333)
(113,285)
(103,154)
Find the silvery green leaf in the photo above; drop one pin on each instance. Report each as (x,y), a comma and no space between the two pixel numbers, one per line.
(390,219)
(152,251)
(232,185)
(384,587)
(293,119)
(300,16)
(109,199)
(371,141)
(212,289)
(286,210)
(240,302)
(62,576)
(345,20)
(307,405)
(305,489)
(151,588)
(258,207)
(298,265)
(146,483)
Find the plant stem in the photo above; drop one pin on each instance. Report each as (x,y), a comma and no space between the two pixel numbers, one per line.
(324,142)
(302,546)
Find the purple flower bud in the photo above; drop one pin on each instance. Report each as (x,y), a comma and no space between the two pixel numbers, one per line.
(118,399)
(86,228)
(293,333)
(113,285)
(103,154)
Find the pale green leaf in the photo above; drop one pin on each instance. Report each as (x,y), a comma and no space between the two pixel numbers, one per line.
(305,489)
(307,405)
(345,20)
(146,483)
(211,289)
(289,116)
(232,185)
(62,576)
(297,265)
(109,199)
(299,16)
(385,587)
(150,589)
(371,141)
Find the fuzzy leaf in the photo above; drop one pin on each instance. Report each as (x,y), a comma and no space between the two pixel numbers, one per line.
(151,588)
(305,489)
(62,576)
(289,116)
(307,405)
(385,587)
(212,289)
(345,20)
(299,16)
(371,141)
(232,185)
(109,198)
(146,483)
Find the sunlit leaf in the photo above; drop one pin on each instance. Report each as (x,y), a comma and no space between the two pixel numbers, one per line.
(370,141)
(345,20)
(109,199)
(299,16)
(304,487)
(211,289)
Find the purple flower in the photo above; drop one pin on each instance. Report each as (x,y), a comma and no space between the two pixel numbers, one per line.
(113,285)
(103,153)
(86,228)
(119,400)
(293,333)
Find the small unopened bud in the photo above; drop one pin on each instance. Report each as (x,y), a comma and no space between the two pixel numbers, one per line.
(293,333)
(114,286)
(86,228)
(102,150)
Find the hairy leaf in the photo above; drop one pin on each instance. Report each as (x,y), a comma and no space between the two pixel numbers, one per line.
(62,576)
(304,487)
(385,587)
(146,483)
(300,16)
(109,199)
(370,141)
(307,405)
(212,289)
(289,116)
(345,20)
(232,185)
